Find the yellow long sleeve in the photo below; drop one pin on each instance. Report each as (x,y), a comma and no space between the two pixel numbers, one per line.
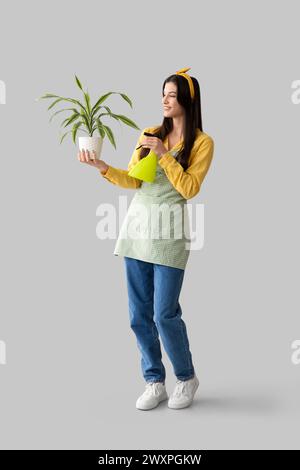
(188,182)
(120,177)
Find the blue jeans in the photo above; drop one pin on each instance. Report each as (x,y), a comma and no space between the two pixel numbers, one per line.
(153,299)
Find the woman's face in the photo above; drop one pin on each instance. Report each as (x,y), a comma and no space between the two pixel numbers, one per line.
(171,107)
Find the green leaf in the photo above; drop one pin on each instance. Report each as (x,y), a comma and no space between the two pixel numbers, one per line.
(98,108)
(100,128)
(74,117)
(60,111)
(109,114)
(101,99)
(126,120)
(86,121)
(114,116)
(74,131)
(64,136)
(84,130)
(54,103)
(48,95)
(125,97)
(76,102)
(109,135)
(64,121)
(87,102)
(71,100)
(68,132)
(78,82)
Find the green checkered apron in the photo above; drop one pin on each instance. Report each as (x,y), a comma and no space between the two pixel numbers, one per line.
(156,226)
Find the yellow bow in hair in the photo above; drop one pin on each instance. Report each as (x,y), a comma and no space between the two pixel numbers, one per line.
(190,81)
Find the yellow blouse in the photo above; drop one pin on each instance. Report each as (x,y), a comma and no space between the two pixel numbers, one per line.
(187,182)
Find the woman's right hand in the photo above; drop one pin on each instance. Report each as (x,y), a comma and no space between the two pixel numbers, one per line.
(84,156)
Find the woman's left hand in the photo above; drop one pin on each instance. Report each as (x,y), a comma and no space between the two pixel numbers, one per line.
(155,144)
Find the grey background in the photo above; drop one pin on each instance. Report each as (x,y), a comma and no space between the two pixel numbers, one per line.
(73,368)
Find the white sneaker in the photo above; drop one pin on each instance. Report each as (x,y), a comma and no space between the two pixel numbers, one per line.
(183,393)
(155,393)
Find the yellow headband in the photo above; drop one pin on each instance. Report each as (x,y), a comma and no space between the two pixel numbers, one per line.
(190,81)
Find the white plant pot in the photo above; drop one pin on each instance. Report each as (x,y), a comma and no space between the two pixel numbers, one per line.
(91,143)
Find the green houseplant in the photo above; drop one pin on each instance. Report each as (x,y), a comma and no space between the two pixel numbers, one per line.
(87,118)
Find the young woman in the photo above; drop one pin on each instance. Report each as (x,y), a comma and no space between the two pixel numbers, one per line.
(155,265)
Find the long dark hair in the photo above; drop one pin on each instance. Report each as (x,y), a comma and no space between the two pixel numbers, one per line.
(193,118)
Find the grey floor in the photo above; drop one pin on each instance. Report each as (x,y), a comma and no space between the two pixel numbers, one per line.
(71,409)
